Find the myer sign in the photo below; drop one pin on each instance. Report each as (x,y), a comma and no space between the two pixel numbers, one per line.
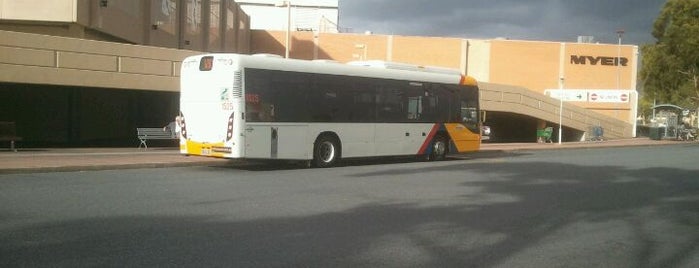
(598,60)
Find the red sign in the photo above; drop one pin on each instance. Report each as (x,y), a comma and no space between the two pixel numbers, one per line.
(252,98)
(206,63)
(609,96)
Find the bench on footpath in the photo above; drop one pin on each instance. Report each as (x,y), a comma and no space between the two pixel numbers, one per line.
(153,133)
(8,132)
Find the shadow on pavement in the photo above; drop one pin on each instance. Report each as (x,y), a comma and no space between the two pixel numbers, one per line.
(530,216)
(273,165)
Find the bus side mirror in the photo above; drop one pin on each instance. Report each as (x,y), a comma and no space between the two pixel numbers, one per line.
(483,116)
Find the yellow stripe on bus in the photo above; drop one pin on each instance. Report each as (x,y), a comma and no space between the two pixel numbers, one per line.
(203,149)
(464,139)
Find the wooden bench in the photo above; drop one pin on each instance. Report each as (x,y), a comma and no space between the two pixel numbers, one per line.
(8,132)
(152,133)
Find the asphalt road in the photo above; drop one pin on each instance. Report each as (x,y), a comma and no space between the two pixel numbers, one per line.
(612,207)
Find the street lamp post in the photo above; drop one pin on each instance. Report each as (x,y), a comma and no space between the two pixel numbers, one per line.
(560,110)
(561,75)
(619,33)
(287,4)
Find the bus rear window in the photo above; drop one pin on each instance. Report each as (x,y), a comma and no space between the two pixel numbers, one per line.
(206,63)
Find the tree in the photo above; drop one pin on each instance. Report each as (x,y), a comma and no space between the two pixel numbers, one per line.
(670,69)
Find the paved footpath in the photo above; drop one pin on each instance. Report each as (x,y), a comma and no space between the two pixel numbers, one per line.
(80,159)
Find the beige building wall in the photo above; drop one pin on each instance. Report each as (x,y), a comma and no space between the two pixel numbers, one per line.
(478,59)
(42,10)
(539,66)
(603,76)
(431,51)
(533,65)
(206,25)
(121,19)
(49,60)
(352,47)
(321,46)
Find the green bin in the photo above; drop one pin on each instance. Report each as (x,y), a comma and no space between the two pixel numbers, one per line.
(656,133)
(545,134)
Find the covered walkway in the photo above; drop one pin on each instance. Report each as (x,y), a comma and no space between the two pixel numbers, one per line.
(518,102)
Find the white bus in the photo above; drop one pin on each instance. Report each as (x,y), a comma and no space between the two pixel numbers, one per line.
(261,107)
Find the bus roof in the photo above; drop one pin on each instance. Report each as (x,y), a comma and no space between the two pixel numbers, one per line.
(404,66)
(372,69)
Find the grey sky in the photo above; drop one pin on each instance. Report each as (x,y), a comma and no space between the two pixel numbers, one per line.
(545,20)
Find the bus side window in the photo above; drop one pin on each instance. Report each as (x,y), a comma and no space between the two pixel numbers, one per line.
(390,107)
(414,108)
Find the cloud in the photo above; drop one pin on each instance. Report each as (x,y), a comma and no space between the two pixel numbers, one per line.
(549,20)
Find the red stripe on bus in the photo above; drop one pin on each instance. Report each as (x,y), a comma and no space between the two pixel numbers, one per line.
(427,141)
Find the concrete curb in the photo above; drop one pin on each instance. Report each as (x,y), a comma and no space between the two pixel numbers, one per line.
(74,168)
(576,145)
(86,159)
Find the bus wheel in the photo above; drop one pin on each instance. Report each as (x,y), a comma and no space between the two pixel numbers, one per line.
(326,151)
(439,149)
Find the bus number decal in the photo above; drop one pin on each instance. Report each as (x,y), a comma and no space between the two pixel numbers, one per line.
(227,106)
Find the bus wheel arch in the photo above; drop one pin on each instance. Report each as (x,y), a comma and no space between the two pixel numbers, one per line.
(327,150)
